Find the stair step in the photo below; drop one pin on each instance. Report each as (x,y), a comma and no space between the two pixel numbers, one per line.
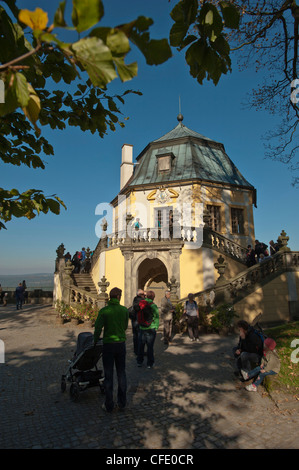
(85,282)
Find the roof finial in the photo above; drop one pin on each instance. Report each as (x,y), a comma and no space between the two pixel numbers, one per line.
(180,117)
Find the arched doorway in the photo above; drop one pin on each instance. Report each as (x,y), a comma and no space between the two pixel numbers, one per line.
(152,275)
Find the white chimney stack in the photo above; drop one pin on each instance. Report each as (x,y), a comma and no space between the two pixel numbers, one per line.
(127,165)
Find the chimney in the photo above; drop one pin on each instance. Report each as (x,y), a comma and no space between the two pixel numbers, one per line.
(127,165)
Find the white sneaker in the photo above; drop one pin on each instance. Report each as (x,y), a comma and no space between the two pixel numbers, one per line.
(244,374)
(251,388)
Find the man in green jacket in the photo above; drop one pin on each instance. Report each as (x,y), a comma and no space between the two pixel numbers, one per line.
(114,319)
(147,335)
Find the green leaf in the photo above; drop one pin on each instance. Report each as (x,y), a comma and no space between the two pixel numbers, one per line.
(185,11)
(155,51)
(95,57)
(211,21)
(54,206)
(125,72)
(16,93)
(117,42)
(184,14)
(32,109)
(177,33)
(86,13)
(21,89)
(231,15)
(59,15)
(221,46)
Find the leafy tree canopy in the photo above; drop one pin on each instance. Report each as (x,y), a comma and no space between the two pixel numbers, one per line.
(85,66)
(209,31)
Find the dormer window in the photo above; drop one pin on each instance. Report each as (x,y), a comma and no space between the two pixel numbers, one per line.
(165,161)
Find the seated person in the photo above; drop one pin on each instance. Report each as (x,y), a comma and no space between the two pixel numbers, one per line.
(250,347)
(270,365)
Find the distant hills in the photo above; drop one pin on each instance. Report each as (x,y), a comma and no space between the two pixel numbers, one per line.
(33,281)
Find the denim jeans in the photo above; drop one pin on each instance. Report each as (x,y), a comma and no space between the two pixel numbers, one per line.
(135,331)
(243,360)
(115,353)
(146,337)
(261,375)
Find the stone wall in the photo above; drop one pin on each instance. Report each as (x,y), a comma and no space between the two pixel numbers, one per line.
(37,296)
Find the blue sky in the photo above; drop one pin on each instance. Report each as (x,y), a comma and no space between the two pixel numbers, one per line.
(85,169)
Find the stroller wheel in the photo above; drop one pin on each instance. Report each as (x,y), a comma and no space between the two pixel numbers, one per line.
(75,391)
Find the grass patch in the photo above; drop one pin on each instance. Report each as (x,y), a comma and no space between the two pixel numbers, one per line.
(288,378)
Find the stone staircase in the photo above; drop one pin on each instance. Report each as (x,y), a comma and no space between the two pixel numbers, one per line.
(85,282)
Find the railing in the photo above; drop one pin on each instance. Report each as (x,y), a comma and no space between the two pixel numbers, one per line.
(225,245)
(185,234)
(81,296)
(147,235)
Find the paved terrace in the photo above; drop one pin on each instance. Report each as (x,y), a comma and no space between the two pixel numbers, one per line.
(190,400)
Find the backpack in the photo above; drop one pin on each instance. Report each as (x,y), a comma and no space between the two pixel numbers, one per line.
(260,334)
(145,314)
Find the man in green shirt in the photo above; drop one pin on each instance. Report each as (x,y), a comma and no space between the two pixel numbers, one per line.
(114,319)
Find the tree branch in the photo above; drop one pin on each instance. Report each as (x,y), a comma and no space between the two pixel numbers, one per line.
(22,57)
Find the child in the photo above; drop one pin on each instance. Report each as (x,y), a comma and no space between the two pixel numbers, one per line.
(270,365)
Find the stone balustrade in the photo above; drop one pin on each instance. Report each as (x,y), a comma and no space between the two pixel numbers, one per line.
(233,289)
(80,296)
(224,245)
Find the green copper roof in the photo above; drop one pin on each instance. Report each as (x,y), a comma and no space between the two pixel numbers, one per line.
(195,158)
(180,131)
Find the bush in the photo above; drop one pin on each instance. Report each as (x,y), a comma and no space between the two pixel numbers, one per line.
(222,317)
(64,310)
(80,312)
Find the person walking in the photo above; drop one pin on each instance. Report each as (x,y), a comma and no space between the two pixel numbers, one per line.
(192,312)
(114,319)
(167,311)
(147,334)
(133,317)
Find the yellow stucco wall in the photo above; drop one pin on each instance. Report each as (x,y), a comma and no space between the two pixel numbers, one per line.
(95,273)
(233,268)
(190,272)
(115,271)
(271,300)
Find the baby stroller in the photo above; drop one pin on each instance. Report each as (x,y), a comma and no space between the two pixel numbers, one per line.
(79,372)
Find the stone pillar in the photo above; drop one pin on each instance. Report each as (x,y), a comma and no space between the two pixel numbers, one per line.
(173,286)
(129,227)
(128,294)
(87,264)
(103,296)
(174,259)
(67,282)
(283,241)
(60,252)
(222,293)
(220,266)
